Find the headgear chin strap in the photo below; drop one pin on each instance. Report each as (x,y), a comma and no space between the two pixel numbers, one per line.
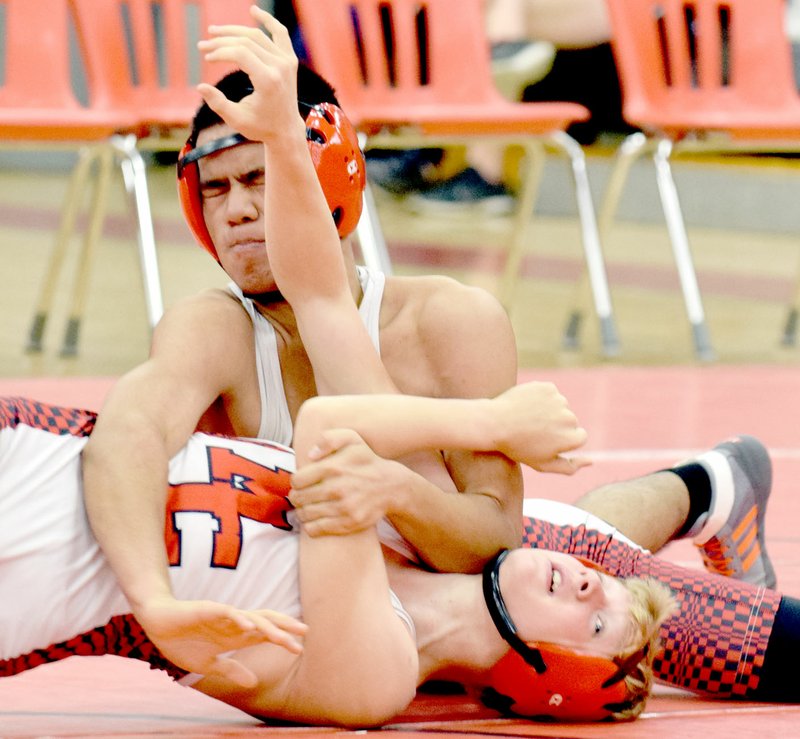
(333,145)
(546,680)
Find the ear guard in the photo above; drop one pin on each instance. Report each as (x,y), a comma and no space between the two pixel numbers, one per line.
(546,680)
(334,149)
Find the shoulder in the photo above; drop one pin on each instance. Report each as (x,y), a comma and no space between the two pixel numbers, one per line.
(206,330)
(210,300)
(209,311)
(427,296)
(465,331)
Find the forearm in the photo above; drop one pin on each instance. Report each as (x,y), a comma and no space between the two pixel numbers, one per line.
(302,242)
(125,474)
(459,531)
(306,260)
(451,531)
(397,425)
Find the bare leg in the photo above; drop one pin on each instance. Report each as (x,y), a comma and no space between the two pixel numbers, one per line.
(649,510)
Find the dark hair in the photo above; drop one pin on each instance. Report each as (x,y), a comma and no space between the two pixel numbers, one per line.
(312,89)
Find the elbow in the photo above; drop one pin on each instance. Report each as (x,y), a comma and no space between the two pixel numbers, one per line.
(375,709)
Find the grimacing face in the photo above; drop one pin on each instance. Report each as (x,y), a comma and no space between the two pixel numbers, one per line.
(232,194)
(555,598)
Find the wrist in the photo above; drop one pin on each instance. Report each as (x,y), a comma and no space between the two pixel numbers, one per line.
(145,598)
(491,427)
(400,500)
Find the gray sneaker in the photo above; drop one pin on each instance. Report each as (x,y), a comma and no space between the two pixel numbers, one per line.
(731,536)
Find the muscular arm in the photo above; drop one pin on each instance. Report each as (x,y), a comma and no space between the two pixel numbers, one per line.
(456,358)
(529,423)
(468,351)
(147,417)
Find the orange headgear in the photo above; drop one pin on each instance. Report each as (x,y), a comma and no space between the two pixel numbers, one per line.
(333,144)
(546,680)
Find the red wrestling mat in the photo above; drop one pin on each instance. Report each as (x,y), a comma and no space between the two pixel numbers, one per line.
(638,420)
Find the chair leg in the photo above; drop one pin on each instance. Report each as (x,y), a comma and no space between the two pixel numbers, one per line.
(789,337)
(69,347)
(629,151)
(66,229)
(134,173)
(680,247)
(631,148)
(595,263)
(370,236)
(526,199)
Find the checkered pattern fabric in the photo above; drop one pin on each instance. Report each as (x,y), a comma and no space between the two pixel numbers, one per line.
(715,643)
(53,418)
(121,636)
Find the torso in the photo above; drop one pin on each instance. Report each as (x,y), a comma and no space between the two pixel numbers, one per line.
(413,358)
(230,537)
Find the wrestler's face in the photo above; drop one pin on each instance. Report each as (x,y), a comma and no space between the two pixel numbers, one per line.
(232,194)
(555,598)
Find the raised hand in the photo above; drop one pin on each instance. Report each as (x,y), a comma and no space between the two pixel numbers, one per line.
(270,111)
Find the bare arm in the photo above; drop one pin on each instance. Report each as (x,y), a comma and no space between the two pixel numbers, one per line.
(304,250)
(396,425)
(468,351)
(147,417)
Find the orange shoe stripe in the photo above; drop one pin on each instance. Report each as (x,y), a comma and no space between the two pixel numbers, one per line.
(750,559)
(746,543)
(746,522)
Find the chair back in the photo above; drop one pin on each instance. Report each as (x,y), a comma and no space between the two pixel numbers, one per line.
(35,64)
(40,94)
(385,57)
(142,55)
(688,65)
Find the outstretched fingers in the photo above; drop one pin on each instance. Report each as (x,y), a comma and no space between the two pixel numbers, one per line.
(277,628)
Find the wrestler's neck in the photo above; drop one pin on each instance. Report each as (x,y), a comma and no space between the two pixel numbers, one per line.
(456,637)
(273,306)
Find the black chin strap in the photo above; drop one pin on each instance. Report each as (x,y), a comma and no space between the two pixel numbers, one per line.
(501,617)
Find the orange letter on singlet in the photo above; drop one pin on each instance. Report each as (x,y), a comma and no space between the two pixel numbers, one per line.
(237,488)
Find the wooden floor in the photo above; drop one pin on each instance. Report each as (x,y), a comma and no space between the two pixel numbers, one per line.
(746,274)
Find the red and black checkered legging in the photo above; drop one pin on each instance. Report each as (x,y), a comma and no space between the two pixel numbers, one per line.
(718,640)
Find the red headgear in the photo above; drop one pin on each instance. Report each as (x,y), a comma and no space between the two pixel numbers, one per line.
(333,144)
(546,680)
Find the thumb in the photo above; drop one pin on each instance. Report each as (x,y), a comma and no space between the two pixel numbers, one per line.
(564,465)
(234,671)
(331,441)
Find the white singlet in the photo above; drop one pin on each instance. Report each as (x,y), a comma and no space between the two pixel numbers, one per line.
(276,423)
(228,530)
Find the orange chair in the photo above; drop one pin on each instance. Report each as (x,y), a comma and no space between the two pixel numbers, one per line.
(38,105)
(702,75)
(414,73)
(141,66)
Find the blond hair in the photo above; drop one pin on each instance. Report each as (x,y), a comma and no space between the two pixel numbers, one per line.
(652,604)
